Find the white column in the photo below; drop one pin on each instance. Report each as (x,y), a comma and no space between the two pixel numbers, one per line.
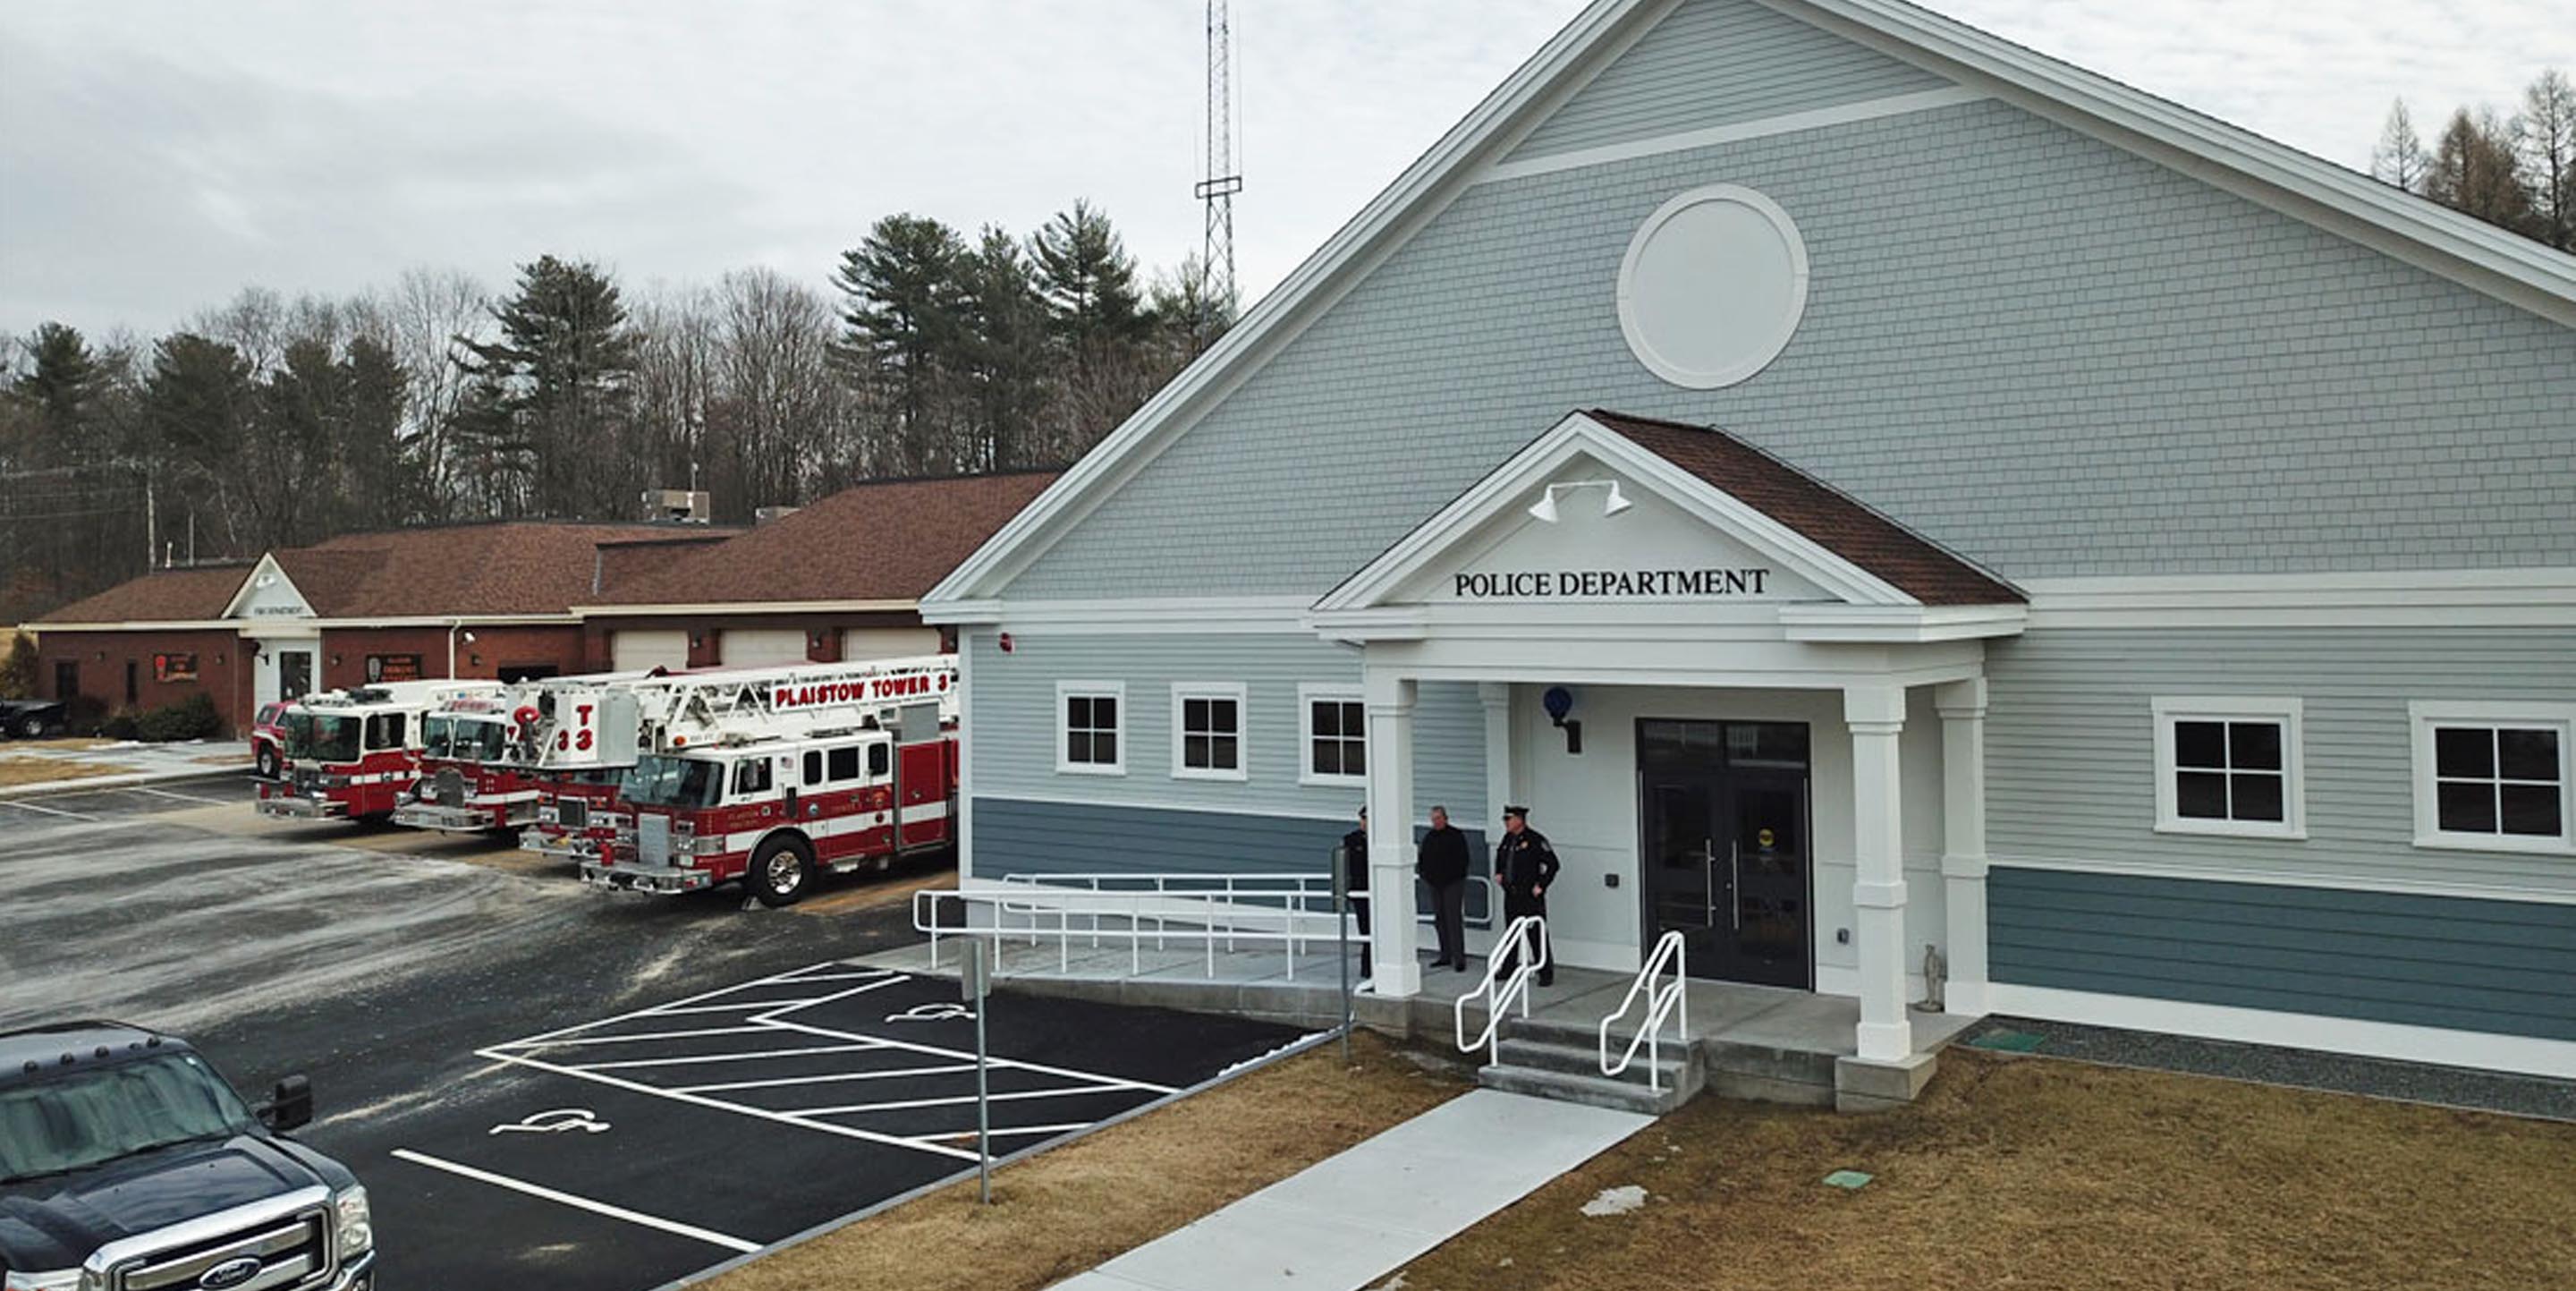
(1876,715)
(1497,699)
(1390,802)
(1963,840)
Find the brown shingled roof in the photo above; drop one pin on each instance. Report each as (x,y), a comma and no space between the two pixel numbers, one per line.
(1824,515)
(890,541)
(521,567)
(162,596)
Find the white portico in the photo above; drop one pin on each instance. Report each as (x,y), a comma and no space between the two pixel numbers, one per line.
(1771,699)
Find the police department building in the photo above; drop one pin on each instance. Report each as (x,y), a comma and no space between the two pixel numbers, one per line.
(1870,489)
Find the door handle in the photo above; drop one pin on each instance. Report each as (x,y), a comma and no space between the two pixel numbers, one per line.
(1708,883)
(1734,880)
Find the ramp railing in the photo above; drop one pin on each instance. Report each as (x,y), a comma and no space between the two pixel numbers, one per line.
(1207,911)
(1664,999)
(1524,946)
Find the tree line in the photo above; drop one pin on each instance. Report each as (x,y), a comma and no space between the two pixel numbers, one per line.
(2515,171)
(270,422)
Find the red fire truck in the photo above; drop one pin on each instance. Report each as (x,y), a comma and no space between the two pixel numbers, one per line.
(487,761)
(775,781)
(351,753)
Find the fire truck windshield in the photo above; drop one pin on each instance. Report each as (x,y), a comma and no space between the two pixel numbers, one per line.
(660,781)
(321,737)
(465,739)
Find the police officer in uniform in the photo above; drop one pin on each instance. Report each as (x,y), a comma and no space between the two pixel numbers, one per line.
(1526,867)
(1355,877)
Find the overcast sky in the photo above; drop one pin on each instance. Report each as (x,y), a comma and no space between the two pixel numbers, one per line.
(157,155)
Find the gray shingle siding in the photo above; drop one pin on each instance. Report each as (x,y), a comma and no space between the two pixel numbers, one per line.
(2048,354)
(2070,743)
(2454,962)
(1012,722)
(1714,63)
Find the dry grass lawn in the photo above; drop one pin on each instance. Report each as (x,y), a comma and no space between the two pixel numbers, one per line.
(17,771)
(1063,1211)
(2025,1172)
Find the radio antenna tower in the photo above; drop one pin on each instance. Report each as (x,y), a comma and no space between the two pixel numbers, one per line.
(1220,182)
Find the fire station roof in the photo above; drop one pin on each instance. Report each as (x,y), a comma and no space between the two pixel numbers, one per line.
(1824,515)
(162,596)
(888,541)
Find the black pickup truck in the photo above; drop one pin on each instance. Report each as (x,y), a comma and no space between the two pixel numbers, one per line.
(128,1164)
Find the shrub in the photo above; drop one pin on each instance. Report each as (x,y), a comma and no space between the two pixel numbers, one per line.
(18,668)
(120,725)
(189,719)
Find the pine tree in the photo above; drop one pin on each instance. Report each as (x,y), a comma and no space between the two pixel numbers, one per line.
(901,322)
(2474,172)
(551,412)
(199,405)
(2400,158)
(1098,319)
(1004,351)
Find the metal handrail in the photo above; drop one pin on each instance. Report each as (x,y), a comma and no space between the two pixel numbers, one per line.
(1667,1000)
(1183,908)
(1525,941)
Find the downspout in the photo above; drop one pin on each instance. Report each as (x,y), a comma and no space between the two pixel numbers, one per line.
(452,626)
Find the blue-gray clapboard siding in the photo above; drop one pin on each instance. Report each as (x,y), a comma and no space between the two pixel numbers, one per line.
(1019,837)
(1012,722)
(2141,374)
(2070,743)
(2453,962)
(1719,62)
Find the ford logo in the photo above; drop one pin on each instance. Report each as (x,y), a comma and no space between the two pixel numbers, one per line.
(230,1273)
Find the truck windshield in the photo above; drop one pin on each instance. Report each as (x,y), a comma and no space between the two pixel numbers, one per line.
(96,1115)
(658,781)
(465,739)
(321,737)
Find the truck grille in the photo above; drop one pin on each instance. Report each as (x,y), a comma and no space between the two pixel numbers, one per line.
(451,787)
(293,1252)
(572,813)
(307,779)
(653,839)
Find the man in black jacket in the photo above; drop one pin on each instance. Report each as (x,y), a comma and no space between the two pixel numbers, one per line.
(1442,864)
(1355,879)
(1526,866)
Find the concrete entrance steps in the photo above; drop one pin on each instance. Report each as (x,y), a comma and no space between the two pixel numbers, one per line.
(1564,1063)
(1346,1222)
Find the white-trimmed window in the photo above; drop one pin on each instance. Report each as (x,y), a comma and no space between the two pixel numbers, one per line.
(1332,736)
(1091,727)
(1207,730)
(2229,765)
(2494,777)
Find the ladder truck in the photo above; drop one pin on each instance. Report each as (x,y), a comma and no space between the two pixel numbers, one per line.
(485,765)
(351,753)
(773,782)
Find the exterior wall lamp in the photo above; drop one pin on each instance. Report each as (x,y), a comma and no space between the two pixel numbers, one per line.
(1545,507)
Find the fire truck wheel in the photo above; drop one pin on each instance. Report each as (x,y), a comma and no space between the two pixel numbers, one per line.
(267,763)
(780,872)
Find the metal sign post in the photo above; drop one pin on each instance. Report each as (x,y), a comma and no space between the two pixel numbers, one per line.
(1342,939)
(974,982)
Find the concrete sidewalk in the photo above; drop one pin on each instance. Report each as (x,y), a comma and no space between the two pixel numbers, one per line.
(1346,1222)
(140,764)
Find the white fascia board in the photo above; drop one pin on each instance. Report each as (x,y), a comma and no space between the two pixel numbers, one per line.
(2513,269)
(2536,597)
(1502,488)
(266,564)
(307,627)
(1424,189)
(1902,624)
(745,607)
(2402,1042)
(1215,615)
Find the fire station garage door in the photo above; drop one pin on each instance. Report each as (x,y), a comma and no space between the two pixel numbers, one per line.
(888,643)
(762,647)
(638,651)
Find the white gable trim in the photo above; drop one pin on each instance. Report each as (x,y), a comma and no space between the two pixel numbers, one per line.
(267,566)
(2417,231)
(1374,586)
(1736,132)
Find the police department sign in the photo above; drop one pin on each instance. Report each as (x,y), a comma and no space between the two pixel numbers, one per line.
(1613,584)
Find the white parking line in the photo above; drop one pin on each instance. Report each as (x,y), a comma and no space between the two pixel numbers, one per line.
(708,1236)
(687,1059)
(723,1106)
(183,797)
(49,811)
(905,1103)
(632,1036)
(781,1082)
(999,1131)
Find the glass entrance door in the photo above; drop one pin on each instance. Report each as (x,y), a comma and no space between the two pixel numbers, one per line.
(294,673)
(1723,815)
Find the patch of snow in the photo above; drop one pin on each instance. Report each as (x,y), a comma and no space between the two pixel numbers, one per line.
(1616,1201)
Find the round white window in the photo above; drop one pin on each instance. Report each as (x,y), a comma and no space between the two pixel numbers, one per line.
(1713,286)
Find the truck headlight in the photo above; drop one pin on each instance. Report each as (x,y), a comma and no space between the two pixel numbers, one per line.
(57,1280)
(356,1228)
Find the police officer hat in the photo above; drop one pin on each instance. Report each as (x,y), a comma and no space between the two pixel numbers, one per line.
(1520,812)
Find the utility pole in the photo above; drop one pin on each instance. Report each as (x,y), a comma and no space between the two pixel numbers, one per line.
(1219,181)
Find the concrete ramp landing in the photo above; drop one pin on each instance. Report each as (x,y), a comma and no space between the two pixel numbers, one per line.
(1348,1221)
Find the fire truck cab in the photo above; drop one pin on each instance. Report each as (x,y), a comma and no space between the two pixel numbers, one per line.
(487,760)
(350,754)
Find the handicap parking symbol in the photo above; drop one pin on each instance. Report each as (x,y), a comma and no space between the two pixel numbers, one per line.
(556,1121)
(936,1012)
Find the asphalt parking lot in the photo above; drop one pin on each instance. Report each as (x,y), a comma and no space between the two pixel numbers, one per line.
(542,1085)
